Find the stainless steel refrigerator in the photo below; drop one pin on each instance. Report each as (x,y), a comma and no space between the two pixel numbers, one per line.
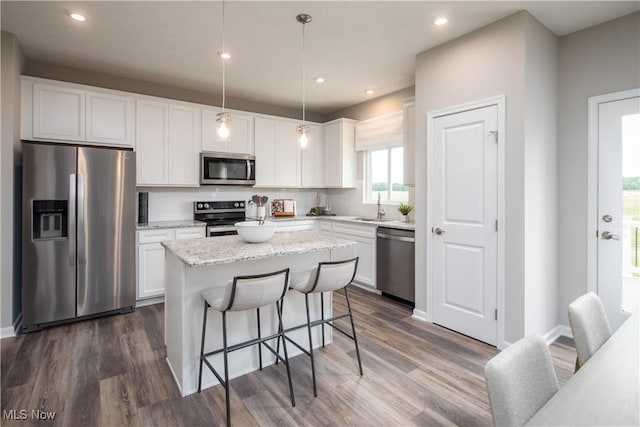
(78,237)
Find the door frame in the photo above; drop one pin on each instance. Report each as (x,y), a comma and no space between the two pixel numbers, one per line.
(500,102)
(592,180)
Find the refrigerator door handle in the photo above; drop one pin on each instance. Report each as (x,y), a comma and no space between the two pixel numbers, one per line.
(82,253)
(72,219)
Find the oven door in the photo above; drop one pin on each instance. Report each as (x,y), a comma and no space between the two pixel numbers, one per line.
(229,169)
(220,230)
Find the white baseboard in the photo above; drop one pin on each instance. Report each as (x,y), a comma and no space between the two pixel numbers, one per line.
(420,315)
(149,301)
(11,330)
(7,332)
(555,333)
(366,288)
(552,335)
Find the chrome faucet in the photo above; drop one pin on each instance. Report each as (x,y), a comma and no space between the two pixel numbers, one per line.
(381,212)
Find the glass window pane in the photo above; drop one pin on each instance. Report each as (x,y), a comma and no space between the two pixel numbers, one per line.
(379,174)
(399,192)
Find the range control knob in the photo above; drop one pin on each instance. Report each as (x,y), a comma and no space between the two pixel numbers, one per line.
(199,205)
(242,204)
(236,205)
(206,205)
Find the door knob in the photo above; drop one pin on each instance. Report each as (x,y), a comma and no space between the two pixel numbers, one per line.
(438,231)
(607,235)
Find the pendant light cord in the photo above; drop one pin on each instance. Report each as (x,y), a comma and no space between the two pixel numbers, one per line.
(223,59)
(303,74)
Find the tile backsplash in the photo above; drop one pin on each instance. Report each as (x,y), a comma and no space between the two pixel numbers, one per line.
(170,204)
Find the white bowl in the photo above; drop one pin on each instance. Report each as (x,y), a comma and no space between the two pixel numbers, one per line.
(253,232)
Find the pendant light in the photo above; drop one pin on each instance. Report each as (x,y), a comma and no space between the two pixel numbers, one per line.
(303,129)
(223,119)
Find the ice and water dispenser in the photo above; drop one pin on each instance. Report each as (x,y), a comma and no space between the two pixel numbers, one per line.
(50,219)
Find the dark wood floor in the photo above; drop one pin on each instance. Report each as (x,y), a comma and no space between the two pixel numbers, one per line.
(112,372)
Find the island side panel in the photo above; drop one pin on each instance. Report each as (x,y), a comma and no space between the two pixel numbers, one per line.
(174,318)
(241,325)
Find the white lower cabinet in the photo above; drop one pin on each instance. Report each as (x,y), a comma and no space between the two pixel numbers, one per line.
(296,225)
(324,227)
(150,257)
(365,249)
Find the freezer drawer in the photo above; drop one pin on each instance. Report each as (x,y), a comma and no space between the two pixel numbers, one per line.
(395,270)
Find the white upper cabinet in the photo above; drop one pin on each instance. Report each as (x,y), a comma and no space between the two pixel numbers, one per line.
(152,142)
(278,159)
(110,118)
(340,154)
(266,152)
(409,124)
(184,145)
(288,154)
(313,159)
(58,113)
(241,135)
(168,143)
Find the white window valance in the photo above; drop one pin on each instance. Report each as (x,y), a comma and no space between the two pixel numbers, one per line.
(380,132)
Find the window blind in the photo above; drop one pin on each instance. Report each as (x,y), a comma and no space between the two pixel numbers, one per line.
(380,132)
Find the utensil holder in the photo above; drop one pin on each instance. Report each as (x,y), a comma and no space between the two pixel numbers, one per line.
(143,208)
(261,212)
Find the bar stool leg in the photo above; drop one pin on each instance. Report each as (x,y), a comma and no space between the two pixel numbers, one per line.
(204,330)
(313,368)
(259,336)
(322,315)
(226,367)
(353,329)
(280,307)
(286,356)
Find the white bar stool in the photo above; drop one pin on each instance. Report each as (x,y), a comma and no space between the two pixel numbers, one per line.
(325,277)
(241,294)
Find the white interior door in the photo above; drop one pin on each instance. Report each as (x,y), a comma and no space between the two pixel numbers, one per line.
(465,214)
(618,276)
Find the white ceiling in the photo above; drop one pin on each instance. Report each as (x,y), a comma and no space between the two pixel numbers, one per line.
(353,44)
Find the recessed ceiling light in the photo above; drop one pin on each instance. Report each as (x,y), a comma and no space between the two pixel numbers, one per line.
(440,21)
(77,17)
(320,80)
(369,91)
(225,55)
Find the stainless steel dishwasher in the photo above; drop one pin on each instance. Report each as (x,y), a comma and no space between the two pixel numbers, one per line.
(395,271)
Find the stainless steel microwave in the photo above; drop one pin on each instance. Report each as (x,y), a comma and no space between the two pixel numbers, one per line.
(227,169)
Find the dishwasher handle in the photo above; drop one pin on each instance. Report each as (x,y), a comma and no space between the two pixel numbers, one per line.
(400,238)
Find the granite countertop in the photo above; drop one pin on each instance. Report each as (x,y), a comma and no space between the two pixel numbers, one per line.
(227,249)
(345,218)
(393,223)
(155,225)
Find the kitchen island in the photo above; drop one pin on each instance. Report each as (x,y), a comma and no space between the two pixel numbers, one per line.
(197,264)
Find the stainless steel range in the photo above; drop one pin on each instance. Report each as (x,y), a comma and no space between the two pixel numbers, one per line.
(219,216)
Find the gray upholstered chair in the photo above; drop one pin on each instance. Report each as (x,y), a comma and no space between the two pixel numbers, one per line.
(589,325)
(520,380)
(241,294)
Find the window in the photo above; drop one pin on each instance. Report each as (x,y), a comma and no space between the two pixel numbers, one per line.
(385,176)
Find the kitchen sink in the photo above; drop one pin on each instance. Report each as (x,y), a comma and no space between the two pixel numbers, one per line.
(372,219)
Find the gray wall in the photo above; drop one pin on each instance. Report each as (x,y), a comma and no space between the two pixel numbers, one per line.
(482,64)
(10,160)
(595,61)
(350,202)
(92,78)
(540,178)
(385,104)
